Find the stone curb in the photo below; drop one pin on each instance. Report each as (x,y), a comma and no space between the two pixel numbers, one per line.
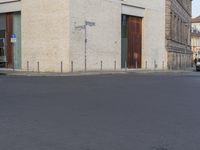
(21,73)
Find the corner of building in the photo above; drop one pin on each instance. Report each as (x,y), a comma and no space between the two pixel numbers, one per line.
(45,35)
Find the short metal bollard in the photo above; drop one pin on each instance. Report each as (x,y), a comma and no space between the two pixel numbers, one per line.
(126,66)
(72,66)
(163,65)
(115,65)
(155,64)
(136,64)
(101,65)
(146,65)
(61,67)
(13,67)
(38,66)
(28,66)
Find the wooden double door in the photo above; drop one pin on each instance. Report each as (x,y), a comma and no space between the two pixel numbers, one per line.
(133,35)
(134,42)
(6,29)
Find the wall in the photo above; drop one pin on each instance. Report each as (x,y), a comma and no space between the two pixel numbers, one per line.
(45,35)
(10,6)
(104,39)
(154,52)
(17,45)
(178,41)
(195,38)
(49,34)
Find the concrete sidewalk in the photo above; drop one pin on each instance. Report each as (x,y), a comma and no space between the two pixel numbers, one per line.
(24,73)
(11,72)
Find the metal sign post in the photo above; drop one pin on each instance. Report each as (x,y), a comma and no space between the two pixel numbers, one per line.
(13,40)
(84,27)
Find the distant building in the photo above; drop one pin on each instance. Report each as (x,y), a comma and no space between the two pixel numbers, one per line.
(78,35)
(196,36)
(178,33)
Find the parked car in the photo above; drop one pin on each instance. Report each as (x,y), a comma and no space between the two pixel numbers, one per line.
(198,65)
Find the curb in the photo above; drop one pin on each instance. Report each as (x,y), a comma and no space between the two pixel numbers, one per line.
(21,73)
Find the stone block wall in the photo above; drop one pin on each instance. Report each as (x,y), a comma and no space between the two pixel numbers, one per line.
(178,33)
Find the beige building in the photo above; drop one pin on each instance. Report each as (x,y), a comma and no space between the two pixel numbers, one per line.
(79,35)
(196,36)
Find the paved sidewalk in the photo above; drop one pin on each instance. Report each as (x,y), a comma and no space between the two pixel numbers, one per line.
(11,72)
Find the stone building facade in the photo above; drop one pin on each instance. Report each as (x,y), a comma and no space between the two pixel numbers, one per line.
(178,33)
(196,37)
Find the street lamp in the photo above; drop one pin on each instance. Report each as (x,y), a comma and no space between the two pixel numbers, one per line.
(84,27)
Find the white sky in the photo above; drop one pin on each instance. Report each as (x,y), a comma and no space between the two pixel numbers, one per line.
(196,8)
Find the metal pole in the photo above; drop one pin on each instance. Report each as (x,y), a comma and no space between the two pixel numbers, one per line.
(72,67)
(125,65)
(101,65)
(185,56)
(38,65)
(146,65)
(163,65)
(136,64)
(87,23)
(85,47)
(13,57)
(178,62)
(186,45)
(115,65)
(61,67)
(28,66)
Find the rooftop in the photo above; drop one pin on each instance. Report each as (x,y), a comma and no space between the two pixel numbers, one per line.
(196,20)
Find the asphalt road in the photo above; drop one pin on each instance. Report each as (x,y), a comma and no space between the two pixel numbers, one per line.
(106,112)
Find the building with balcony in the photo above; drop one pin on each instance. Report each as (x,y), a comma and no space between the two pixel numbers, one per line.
(196,36)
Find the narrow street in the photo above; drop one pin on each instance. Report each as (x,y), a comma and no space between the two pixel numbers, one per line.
(103,112)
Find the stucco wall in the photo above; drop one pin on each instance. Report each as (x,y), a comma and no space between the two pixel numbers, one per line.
(49,34)
(104,39)
(45,34)
(10,6)
(17,45)
(154,53)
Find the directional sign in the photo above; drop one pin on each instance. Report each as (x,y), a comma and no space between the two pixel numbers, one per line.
(89,23)
(13,38)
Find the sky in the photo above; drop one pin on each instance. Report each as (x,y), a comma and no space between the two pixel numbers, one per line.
(196,8)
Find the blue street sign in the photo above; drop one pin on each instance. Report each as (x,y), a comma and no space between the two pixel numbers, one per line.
(14,36)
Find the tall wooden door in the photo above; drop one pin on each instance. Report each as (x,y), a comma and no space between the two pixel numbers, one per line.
(134,42)
(9,48)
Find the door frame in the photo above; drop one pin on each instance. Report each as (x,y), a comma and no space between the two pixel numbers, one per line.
(130,58)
